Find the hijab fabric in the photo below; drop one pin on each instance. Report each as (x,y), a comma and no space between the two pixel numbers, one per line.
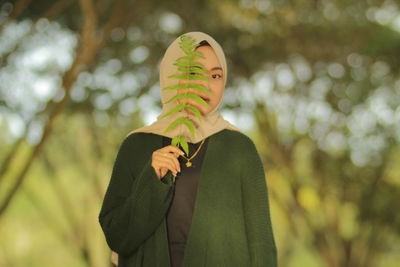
(212,122)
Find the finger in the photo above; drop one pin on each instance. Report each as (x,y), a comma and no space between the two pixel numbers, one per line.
(168,163)
(172,148)
(157,171)
(175,154)
(176,150)
(163,168)
(174,161)
(163,171)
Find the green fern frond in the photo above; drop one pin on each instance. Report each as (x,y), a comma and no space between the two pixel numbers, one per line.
(188,77)
(195,111)
(189,70)
(178,121)
(189,57)
(175,140)
(195,97)
(188,49)
(189,124)
(175,109)
(187,40)
(184,145)
(196,54)
(185,63)
(195,86)
(180,140)
(174,124)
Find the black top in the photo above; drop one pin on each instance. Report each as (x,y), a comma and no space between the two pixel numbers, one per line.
(179,216)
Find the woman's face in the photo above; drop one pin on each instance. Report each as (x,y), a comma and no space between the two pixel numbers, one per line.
(215,82)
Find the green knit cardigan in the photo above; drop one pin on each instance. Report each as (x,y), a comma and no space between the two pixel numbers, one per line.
(231,223)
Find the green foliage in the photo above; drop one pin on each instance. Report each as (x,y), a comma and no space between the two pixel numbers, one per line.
(188,95)
(190,70)
(188,77)
(186,85)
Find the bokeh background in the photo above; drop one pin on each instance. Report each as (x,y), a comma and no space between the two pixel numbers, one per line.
(314,83)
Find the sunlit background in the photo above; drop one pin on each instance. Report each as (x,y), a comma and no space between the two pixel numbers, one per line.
(315,84)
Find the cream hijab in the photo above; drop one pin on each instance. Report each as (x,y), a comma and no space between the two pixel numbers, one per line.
(212,122)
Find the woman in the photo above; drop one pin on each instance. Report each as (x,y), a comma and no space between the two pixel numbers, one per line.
(216,211)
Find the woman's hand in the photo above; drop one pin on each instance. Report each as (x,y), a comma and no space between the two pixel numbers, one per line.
(165,159)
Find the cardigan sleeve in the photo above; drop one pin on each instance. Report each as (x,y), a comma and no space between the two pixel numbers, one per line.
(262,248)
(133,207)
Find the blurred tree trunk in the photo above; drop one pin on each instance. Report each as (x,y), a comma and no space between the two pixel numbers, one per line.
(91,40)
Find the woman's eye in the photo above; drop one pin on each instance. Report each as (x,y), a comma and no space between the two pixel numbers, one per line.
(216,76)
